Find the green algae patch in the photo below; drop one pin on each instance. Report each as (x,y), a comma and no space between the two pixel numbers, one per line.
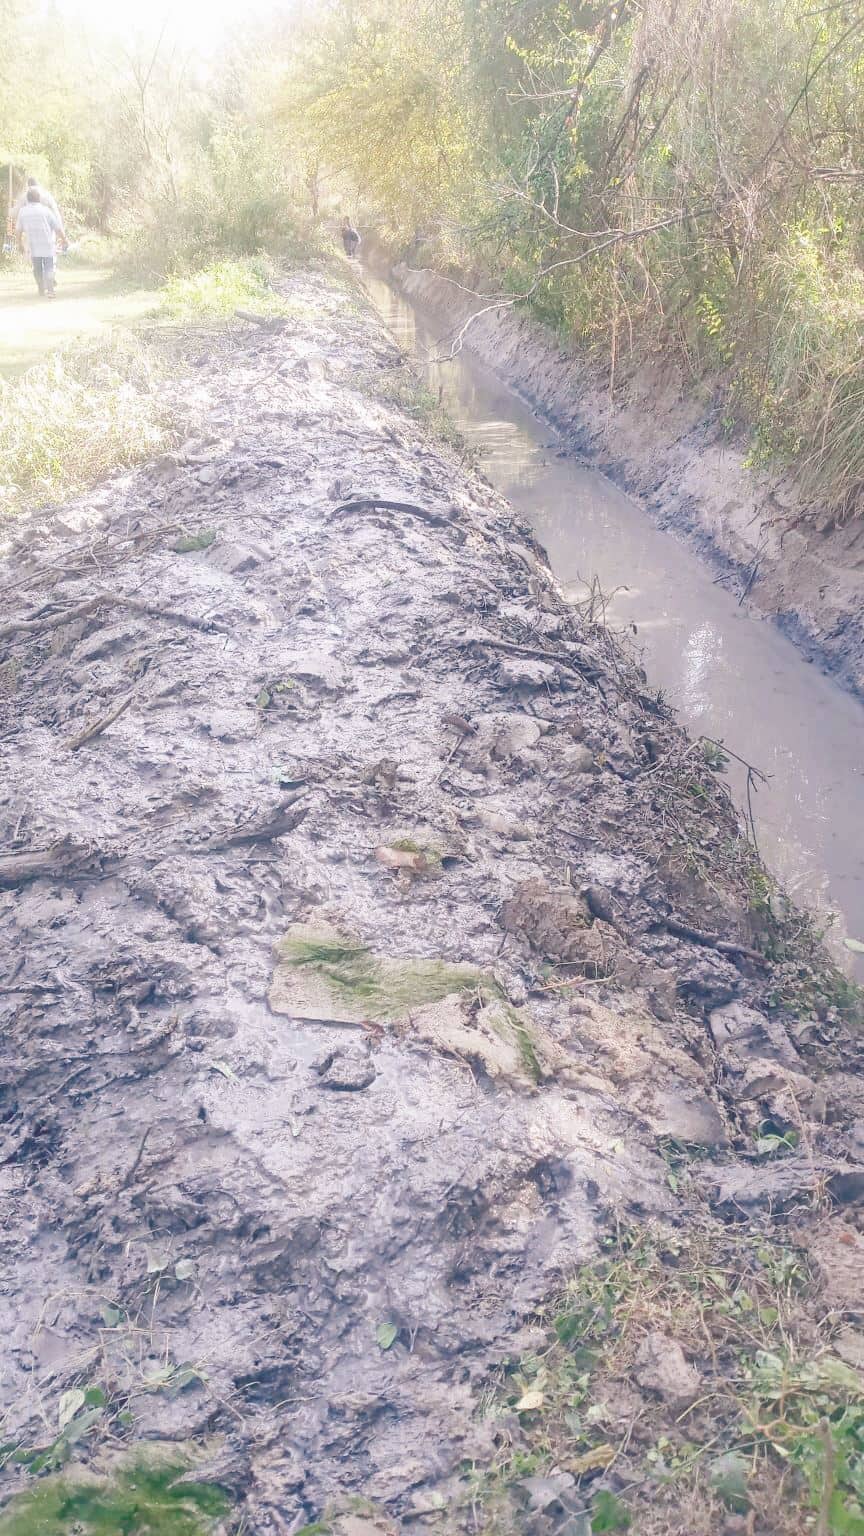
(508,1046)
(428,855)
(324,975)
(141,1496)
(515,1025)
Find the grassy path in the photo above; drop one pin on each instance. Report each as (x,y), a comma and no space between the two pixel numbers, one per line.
(89,301)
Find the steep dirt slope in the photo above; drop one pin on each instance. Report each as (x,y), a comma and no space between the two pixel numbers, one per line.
(370,932)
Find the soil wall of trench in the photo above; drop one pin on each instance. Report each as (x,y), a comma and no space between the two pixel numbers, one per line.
(369,933)
(664,445)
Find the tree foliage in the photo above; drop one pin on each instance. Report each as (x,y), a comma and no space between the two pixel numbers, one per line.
(675,174)
(681,176)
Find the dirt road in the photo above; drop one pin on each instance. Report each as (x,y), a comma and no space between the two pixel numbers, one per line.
(370,933)
(90,300)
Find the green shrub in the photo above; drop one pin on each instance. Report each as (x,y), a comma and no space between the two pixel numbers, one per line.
(234,199)
(215,291)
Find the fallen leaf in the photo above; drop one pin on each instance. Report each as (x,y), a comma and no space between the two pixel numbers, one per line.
(529,1401)
(855,945)
(69,1404)
(593,1460)
(184,1269)
(386,1334)
(223,1067)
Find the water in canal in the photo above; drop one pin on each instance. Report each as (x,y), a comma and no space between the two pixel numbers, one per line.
(730,674)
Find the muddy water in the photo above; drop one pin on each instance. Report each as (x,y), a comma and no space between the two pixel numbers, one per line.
(730,675)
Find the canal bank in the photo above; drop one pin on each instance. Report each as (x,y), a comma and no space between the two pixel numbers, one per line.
(390,1000)
(732,676)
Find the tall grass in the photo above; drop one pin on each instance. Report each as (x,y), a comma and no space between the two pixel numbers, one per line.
(216,291)
(75,418)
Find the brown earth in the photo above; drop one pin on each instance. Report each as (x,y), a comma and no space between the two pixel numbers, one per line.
(369,930)
(663,442)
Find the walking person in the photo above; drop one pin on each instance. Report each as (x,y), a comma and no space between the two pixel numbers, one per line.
(44,197)
(40,226)
(350,237)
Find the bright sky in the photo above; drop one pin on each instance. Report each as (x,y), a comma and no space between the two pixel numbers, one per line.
(202,23)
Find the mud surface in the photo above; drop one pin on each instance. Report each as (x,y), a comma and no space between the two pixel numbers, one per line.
(664,444)
(368,928)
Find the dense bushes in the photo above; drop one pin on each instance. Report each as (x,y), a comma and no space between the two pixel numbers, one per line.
(230,197)
(680,175)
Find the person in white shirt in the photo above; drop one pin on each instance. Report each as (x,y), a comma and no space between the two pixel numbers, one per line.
(40,225)
(44,197)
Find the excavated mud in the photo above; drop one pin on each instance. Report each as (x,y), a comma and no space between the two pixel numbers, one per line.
(357,971)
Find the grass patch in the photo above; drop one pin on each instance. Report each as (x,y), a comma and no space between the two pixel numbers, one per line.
(385,988)
(216,291)
(776,1429)
(94,407)
(188,543)
(400,386)
(75,418)
(142,1496)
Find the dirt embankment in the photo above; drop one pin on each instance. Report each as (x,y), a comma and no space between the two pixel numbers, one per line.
(665,445)
(370,935)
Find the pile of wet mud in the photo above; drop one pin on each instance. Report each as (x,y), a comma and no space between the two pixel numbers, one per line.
(370,933)
(667,445)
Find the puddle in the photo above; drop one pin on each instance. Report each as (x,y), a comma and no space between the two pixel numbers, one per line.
(730,675)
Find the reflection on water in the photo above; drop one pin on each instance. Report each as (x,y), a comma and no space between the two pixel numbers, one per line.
(731,676)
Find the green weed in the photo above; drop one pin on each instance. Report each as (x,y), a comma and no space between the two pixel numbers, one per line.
(400,386)
(761,888)
(386,988)
(214,292)
(778,1427)
(714,755)
(189,543)
(510,1025)
(142,1496)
